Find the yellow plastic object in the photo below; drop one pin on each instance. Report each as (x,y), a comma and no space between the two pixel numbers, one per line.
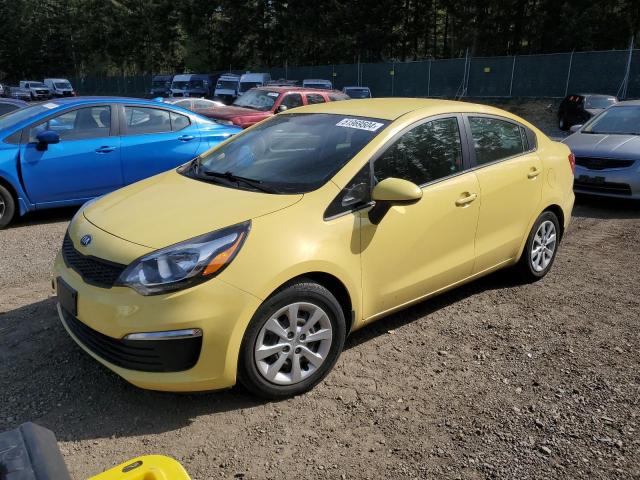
(147,467)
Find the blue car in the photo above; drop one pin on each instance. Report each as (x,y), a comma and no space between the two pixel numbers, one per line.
(65,152)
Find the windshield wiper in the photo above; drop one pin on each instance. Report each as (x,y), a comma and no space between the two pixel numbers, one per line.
(257,184)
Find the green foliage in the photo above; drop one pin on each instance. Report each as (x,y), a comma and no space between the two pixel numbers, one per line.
(120,37)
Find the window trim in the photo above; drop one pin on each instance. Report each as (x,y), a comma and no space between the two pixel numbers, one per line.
(471,147)
(113,128)
(464,146)
(123,120)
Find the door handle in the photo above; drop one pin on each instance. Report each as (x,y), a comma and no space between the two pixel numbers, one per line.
(534,173)
(186,138)
(105,149)
(466,199)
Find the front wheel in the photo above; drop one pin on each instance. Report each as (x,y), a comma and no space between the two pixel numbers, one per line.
(541,248)
(292,342)
(7,207)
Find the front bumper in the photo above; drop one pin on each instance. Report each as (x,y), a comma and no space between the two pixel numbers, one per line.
(220,310)
(618,183)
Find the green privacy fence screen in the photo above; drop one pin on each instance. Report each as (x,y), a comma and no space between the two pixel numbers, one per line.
(548,75)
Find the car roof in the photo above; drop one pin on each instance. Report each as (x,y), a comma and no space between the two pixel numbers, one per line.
(393,108)
(318,80)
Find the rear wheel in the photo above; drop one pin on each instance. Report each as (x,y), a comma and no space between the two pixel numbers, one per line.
(541,248)
(292,342)
(7,207)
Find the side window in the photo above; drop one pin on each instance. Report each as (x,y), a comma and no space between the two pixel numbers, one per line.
(6,108)
(292,100)
(495,139)
(314,98)
(356,194)
(178,121)
(184,104)
(425,153)
(84,123)
(146,120)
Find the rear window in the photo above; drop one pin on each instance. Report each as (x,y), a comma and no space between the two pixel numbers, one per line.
(599,102)
(336,97)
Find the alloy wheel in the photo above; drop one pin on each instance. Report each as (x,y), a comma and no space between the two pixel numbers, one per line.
(543,246)
(293,343)
(3,207)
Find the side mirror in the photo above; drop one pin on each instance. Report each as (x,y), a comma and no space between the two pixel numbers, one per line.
(45,139)
(281,108)
(575,128)
(390,192)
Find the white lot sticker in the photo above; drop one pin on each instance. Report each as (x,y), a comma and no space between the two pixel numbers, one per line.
(273,94)
(49,105)
(359,124)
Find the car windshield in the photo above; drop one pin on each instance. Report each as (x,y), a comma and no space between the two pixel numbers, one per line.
(180,85)
(322,86)
(357,92)
(196,84)
(291,153)
(227,84)
(159,84)
(599,102)
(262,100)
(616,121)
(36,85)
(13,118)
(62,85)
(244,86)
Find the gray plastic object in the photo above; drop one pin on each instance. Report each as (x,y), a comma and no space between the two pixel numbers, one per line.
(30,452)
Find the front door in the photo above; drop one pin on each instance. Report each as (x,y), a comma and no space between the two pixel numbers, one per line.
(422,248)
(85,164)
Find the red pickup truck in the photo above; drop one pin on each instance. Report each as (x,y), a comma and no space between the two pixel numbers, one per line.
(263,102)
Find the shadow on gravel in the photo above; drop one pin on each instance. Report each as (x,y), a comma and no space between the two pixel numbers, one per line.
(53,382)
(52,215)
(604,207)
(497,280)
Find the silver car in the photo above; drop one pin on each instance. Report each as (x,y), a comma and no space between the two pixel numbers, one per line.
(607,151)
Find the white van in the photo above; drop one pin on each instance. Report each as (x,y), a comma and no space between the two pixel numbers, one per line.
(227,88)
(59,87)
(251,80)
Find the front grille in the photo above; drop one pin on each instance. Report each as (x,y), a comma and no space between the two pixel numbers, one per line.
(143,355)
(603,187)
(594,163)
(42,92)
(94,271)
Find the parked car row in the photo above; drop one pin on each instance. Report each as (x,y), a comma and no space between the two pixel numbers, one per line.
(33,90)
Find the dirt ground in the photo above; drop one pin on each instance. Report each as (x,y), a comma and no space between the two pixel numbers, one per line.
(493,380)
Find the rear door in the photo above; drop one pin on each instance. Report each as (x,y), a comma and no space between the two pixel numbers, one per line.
(510,175)
(155,140)
(86,162)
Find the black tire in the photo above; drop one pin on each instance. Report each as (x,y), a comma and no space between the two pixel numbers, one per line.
(563,124)
(303,290)
(7,207)
(525,269)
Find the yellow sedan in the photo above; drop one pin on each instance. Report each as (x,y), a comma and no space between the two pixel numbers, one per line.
(253,262)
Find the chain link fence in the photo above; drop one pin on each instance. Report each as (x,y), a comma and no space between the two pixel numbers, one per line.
(537,76)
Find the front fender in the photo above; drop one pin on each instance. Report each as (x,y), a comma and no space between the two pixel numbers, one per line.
(10,176)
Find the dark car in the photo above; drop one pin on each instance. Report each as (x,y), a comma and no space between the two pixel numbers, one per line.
(357,92)
(161,85)
(263,102)
(577,109)
(9,105)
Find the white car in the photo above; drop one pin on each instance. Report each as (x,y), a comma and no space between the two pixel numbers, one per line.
(60,87)
(37,90)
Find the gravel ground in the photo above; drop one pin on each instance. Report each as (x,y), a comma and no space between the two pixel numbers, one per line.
(493,380)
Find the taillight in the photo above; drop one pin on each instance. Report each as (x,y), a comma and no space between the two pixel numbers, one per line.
(572,162)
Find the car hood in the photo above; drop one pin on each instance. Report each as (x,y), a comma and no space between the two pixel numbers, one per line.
(170,208)
(610,146)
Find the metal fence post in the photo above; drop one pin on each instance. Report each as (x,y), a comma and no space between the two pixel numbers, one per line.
(429,80)
(513,69)
(566,88)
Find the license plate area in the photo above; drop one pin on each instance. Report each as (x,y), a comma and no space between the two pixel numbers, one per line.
(67,297)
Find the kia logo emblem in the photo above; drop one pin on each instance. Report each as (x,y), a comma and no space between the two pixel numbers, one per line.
(86,240)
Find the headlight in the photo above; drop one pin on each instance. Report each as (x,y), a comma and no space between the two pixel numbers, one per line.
(185,264)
